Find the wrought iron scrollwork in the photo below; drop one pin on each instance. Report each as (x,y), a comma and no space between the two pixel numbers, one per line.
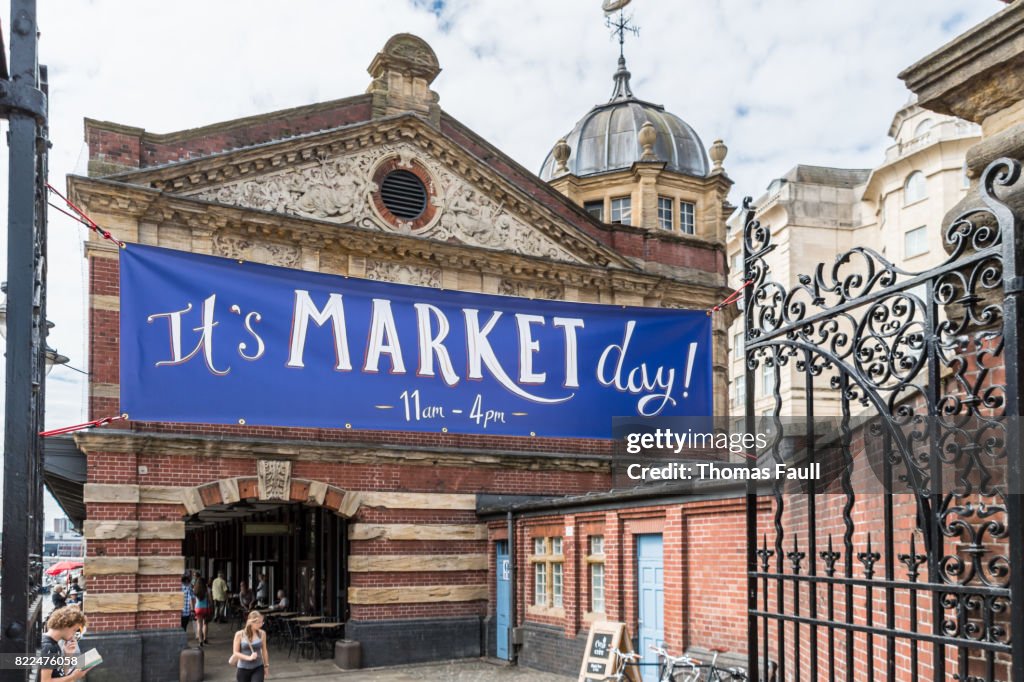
(921,357)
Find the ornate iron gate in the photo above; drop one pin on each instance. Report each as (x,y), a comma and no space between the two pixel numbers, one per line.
(922,582)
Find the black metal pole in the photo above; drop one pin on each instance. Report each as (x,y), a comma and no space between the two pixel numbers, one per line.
(1013,357)
(751,495)
(24,105)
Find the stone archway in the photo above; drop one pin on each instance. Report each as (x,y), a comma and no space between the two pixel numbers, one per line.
(273,482)
(292,530)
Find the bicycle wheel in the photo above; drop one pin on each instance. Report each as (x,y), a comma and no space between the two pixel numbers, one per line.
(708,673)
(687,674)
(716,674)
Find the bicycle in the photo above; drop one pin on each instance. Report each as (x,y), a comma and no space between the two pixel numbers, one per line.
(694,668)
(668,666)
(621,661)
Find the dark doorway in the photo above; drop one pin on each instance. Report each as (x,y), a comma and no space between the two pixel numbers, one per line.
(302,550)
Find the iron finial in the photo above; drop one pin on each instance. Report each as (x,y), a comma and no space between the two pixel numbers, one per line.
(620,26)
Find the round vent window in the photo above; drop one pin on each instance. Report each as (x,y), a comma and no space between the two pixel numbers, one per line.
(406,197)
(404,194)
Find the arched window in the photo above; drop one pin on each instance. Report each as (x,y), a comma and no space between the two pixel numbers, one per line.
(923,127)
(915,189)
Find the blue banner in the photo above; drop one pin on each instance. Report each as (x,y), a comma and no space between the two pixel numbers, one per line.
(218,341)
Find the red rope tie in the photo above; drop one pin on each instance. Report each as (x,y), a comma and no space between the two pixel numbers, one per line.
(81,427)
(731,298)
(81,216)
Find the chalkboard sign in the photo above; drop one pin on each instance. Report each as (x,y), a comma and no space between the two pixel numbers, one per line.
(601,645)
(598,661)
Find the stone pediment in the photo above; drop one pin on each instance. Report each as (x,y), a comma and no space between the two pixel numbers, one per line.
(345,188)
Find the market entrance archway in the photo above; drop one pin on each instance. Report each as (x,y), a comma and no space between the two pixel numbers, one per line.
(291,530)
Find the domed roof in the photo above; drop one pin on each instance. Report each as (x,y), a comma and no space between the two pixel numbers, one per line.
(606,138)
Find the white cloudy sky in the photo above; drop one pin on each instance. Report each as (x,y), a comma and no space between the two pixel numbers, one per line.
(781,81)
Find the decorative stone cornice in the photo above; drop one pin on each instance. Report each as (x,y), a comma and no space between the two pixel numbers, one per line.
(978,73)
(313,451)
(290,231)
(116,198)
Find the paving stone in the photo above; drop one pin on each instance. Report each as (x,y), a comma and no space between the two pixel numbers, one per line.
(283,668)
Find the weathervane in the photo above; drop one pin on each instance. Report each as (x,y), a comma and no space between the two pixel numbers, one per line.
(621,25)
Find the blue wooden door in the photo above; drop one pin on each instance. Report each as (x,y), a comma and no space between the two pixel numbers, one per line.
(504,607)
(651,591)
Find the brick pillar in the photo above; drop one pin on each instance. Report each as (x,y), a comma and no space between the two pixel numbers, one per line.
(111,534)
(627,579)
(571,574)
(613,566)
(133,562)
(673,537)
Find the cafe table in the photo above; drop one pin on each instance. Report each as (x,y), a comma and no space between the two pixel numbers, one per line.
(320,634)
(275,624)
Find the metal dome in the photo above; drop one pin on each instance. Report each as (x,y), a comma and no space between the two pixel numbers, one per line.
(606,138)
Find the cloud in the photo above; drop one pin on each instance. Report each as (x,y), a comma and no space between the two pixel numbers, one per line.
(782,82)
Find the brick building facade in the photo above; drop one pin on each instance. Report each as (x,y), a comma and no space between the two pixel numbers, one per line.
(296,188)
(703,559)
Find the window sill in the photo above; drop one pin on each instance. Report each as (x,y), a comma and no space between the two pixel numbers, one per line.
(547,611)
(594,616)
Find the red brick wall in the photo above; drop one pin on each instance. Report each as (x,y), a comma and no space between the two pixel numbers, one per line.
(165,469)
(135,148)
(714,575)
(704,568)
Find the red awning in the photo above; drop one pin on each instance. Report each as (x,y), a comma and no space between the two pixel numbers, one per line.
(62,566)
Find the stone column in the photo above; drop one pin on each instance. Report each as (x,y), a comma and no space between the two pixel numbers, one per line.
(645,212)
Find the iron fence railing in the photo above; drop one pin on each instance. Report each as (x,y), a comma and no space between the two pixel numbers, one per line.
(920,578)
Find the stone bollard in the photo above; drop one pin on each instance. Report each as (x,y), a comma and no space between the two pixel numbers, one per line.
(190,665)
(347,654)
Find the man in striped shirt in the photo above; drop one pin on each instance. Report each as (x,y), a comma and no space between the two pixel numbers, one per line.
(186,592)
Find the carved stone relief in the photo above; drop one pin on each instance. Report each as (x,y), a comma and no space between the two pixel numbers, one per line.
(513,287)
(339,189)
(414,53)
(275,479)
(240,248)
(400,273)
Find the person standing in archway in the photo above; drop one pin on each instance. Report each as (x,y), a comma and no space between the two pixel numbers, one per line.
(202,609)
(220,598)
(188,597)
(262,591)
(246,597)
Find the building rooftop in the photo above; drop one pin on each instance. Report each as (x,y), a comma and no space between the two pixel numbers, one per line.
(606,138)
(847,178)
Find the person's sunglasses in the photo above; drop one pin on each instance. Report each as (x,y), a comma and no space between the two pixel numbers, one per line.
(78,634)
